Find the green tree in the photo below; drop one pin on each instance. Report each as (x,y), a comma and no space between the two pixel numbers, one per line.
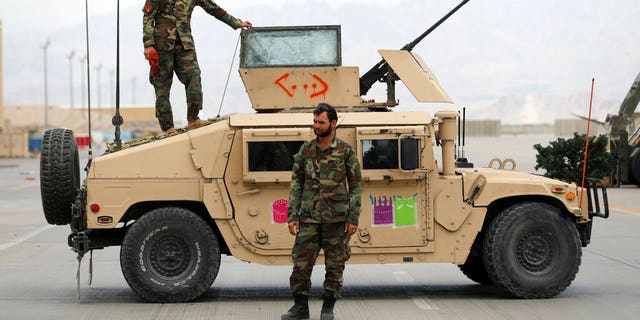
(563,159)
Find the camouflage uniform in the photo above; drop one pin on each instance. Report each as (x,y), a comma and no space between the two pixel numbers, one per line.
(324,194)
(167,27)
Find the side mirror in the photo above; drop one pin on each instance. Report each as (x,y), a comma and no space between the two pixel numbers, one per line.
(409,155)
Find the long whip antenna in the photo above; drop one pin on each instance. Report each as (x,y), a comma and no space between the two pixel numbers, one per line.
(586,147)
(117,119)
(235,51)
(86,8)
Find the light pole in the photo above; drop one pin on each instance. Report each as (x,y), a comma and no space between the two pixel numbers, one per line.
(46,93)
(98,68)
(70,57)
(82,88)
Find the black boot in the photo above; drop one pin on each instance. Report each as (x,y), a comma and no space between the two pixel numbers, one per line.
(327,308)
(300,309)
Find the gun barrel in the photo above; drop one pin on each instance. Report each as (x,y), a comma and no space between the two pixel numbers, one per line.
(409,46)
(379,70)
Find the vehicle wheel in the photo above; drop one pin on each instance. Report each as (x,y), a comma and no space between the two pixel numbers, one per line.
(474,269)
(634,164)
(532,251)
(59,175)
(170,255)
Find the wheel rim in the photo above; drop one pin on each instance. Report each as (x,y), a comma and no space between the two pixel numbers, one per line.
(535,251)
(170,256)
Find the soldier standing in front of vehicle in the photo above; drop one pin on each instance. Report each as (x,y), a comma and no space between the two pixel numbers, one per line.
(324,207)
(169,47)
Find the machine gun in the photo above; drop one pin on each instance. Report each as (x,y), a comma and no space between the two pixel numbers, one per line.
(382,71)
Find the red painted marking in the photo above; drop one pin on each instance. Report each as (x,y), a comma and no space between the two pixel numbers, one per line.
(290,93)
(279,83)
(323,83)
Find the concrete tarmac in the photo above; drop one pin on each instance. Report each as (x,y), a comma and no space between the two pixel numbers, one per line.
(38,276)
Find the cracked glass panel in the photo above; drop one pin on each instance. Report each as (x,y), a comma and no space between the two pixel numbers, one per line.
(380,154)
(286,47)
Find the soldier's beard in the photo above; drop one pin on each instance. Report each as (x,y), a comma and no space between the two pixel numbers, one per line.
(323,134)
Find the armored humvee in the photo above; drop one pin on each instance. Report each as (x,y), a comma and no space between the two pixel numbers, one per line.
(176,204)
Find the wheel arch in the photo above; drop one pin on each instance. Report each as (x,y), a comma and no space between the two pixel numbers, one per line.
(498,205)
(139,209)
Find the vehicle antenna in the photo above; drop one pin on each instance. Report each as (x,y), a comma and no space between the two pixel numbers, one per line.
(459,137)
(224,92)
(86,13)
(117,119)
(90,151)
(586,147)
(464,128)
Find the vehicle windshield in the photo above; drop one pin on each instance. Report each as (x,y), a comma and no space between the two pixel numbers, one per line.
(290,47)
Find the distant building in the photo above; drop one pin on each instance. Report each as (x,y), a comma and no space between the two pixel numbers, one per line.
(24,126)
(482,128)
(31,118)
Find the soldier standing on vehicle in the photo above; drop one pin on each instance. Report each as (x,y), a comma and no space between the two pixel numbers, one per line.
(169,47)
(324,206)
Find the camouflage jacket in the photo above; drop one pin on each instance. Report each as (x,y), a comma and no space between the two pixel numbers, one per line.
(325,184)
(166,20)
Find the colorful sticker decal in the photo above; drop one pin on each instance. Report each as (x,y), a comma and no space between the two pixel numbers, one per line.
(382,210)
(280,208)
(404,211)
(394,210)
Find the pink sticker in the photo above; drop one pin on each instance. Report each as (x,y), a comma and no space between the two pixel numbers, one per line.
(382,210)
(280,209)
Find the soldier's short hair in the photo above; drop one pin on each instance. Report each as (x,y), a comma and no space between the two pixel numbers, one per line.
(325,107)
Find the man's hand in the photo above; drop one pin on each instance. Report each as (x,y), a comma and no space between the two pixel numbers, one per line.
(148,51)
(294,227)
(246,24)
(350,229)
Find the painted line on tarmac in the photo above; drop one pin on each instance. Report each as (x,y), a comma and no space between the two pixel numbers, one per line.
(627,209)
(424,304)
(24,238)
(405,278)
(25,186)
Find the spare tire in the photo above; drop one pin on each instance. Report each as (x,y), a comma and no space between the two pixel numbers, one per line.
(59,175)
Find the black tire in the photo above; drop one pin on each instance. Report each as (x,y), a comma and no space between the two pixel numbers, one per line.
(634,166)
(532,251)
(59,175)
(475,270)
(170,255)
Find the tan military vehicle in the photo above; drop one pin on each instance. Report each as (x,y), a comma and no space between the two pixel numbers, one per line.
(176,204)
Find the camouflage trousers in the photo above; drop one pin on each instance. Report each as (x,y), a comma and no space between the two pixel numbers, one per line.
(185,64)
(331,238)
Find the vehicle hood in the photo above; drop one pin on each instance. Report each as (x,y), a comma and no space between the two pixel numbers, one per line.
(496,184)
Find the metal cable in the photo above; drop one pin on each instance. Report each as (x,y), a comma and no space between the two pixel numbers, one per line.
(228,76)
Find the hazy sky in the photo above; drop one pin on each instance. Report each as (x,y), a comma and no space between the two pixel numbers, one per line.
(526,61)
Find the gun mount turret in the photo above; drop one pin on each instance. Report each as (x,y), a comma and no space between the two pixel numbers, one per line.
(286,68)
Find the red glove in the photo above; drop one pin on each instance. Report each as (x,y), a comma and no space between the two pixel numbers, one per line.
(154,60)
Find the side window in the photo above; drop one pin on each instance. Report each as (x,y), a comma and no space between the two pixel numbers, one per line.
(380,154)
(272,155)
(268,153)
